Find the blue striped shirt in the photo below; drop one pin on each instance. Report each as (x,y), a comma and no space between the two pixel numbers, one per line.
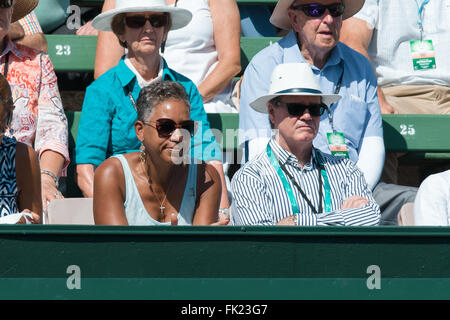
(260,197)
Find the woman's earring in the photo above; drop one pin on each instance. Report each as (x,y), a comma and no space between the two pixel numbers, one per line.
(142,154)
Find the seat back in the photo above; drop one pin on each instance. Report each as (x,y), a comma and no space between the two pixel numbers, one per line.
(70,211)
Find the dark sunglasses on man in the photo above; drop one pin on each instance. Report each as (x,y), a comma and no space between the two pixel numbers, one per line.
(317,10)
(6,4)
(166,127)
(156,21)
(297,109)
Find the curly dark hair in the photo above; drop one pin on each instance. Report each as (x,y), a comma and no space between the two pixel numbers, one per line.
(158,92)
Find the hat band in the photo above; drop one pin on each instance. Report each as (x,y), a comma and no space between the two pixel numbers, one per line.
(299,90)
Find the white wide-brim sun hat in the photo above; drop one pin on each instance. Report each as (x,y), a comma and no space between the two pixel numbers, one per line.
(281,20)
(180,17)
(293,79)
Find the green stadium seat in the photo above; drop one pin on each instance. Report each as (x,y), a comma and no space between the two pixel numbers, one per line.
(77,53)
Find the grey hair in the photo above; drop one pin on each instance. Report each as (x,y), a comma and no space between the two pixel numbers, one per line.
(158,92)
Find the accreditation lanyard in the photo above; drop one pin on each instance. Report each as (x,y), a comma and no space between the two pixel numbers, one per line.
(133,102)
(420,14)
(282,172)
(336,91)
(5,70)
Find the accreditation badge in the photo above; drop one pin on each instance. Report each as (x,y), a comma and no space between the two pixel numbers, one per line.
(336,142)
(423,55)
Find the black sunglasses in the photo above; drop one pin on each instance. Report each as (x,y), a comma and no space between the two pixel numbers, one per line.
(316,10)
(166,127)
(156,21)
(297,109)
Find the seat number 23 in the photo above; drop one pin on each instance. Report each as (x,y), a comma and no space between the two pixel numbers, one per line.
(63,50)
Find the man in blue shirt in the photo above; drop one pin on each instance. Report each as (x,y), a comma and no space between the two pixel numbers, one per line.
(353,127)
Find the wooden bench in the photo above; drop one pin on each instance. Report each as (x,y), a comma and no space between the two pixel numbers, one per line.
(77,53)
(402,133)
(421,137)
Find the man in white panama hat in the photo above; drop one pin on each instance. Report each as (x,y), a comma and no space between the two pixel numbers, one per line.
(355,120)
(291,182)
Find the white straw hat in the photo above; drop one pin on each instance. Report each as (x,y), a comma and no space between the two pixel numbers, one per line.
(180,17)
(293,79)
(280,16)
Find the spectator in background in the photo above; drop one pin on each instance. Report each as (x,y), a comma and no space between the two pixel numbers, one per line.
(352,127)
(160,184)
(408,44)
(207,50)
(432,205)
(109,109)
(20,188)
(291,182)
(38,118)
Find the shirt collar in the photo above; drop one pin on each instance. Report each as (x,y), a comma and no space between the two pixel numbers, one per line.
(10,47)
(126,76)
(286,158)
(292,54)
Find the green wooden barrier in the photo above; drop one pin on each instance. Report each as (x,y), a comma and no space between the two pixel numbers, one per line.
(227,263)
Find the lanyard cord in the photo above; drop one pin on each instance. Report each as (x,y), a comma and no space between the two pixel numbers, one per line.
(420,9)
(5,71)
(283,167)
(281,171)
(133,102)
(336,91)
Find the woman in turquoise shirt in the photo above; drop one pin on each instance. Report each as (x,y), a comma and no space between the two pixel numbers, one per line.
(109,111)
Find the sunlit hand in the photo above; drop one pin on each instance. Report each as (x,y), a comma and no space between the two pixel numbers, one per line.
(289,221)
(35,219)
(386,108)
(354,202)
(49,190)
(87,30)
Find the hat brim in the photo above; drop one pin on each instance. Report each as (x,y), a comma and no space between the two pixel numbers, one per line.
(23,7)
(180,17)
(260,104)
(280,18)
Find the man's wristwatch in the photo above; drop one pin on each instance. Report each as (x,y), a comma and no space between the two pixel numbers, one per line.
(51,174)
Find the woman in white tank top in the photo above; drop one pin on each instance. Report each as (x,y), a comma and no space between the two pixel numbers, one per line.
(160,184)
(207,50)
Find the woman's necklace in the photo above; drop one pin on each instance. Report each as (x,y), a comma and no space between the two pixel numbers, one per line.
(161,203)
